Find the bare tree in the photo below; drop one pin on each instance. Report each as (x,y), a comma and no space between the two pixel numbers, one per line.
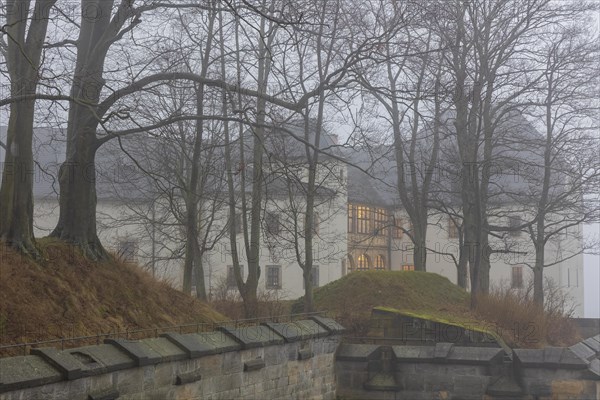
(564,172)
(484,39)
(25,33)
(399,80)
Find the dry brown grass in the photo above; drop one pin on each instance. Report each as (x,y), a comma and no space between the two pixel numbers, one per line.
(228,302)
(66,295)
(522,323)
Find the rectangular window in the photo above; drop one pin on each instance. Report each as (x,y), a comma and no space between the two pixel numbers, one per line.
(231,276)
(452,229)
(351,223)
(380,222)
(363,219)
(514,223)
(127,251)
(568,277)
(272,223)
(516,279)
(273,277)
(408,267)
(398,228)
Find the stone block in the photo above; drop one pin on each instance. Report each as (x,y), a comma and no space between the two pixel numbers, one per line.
(465,385)
(141,353)
(254,365)
(221,341)
(184,378)
(26,371)
(298,330)
(192,345)
(129,380)
(274,355)
(442,350)
(107,394)
(70,367)
(164,374)
(232,363)
(102,359)
(332,326)
(252,336)
(355,352)
(438,383)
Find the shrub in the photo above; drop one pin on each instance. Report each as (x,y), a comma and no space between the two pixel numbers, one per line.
(522,322)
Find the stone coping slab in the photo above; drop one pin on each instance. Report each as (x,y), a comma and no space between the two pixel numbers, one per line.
(26,371)
(441,353)
(101,359)
(556,357)
(70,367)
(584,352)
(194,345)
(299,330)
(253,336)
(331,325)
(50,365)
(355,352)
(138,350)
(221,341)
(167,349)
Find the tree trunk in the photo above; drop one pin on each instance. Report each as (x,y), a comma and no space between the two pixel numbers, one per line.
(16,193)
(308,290)
(461,268)
(23,57)
(420,246)
(538,279)
(200,285)
(77,203)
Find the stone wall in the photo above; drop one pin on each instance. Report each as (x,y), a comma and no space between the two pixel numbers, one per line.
(449,371)
(270,361)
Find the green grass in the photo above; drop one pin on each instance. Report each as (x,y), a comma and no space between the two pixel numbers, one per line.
(424,295)
(421,292)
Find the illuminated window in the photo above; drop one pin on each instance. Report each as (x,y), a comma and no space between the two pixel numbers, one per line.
(363,219)
(452,229)
(379,262)
(398,228)
(516,278)
(408,267)
(362,263)
(380,222)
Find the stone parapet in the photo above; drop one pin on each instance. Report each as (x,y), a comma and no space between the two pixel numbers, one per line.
(293,360)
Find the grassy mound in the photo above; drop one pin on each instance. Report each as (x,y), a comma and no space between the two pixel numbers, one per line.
(431,296)
(357,293)
(66,295)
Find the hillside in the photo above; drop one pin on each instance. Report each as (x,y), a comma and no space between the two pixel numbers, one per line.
(431,296)
(422,292)
(66,295)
